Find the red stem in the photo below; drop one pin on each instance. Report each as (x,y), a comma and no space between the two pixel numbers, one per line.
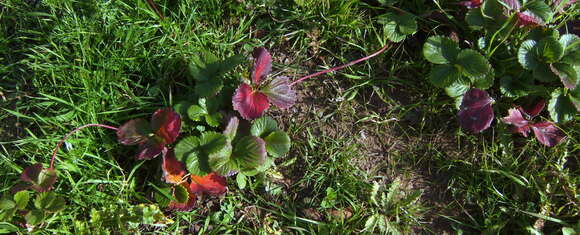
(152,5)
(69,134)
(342,66)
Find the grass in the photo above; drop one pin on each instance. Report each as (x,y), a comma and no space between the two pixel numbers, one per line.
(66,63)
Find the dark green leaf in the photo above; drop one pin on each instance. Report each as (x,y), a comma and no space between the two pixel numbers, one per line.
(57,205)
(560,107)
(21,198)
(549,50)
(543,73)
(277,143)
(440,50)
(485,82)
(8,214)
(224,162)
(44,200)
(526,55)
(7,228)
(474,64)
(540,9)
(474,18)
(443,75)
(567,74)
(457,88)
(398,25)
(514,88)
(263,126)
(574,96)
(181,194)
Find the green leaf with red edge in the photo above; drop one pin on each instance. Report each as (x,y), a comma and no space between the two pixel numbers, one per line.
(185,206)
(548,134)
(232,128)
(567,74)
(475,113)
(41,178)
(166,124)
(133,132)
(249,152)
(180,193)
(249,103)
(280,93)
(262,64)
(173,170)
(211,184)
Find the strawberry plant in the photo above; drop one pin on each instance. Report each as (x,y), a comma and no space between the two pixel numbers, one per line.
(518,54)
(199,163)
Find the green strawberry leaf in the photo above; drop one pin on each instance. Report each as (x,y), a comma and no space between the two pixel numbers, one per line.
(474,64)
(21,199)
(277,143)
(540,9)
(263,126)
(543,73)
(561,107)
(440,50)
(249,152)
(567,74)
(180,193)
(397,26)
(458,88)
(549,50)
(574,96)
(443,75)
(526,57)
(485,82)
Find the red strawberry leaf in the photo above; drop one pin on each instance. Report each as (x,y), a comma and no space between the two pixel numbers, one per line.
(186,206)
(166,124)
(515,118)
(528,19)
(251,104)
(280,92)
(173,170)
(532,110)
(133,132)
(262,65)
(548,134)
(149,149)
(475,112)
(41,179)
(212,183)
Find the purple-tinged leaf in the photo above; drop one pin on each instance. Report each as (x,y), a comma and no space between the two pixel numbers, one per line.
(528,19)
(251,104)
(513,4)
(475,112)
(566,73)
(515,118)
(232,128)
(166,124)
(133,132)
(548,134)
(149,149)
(280,92)
(41,179)
(262,65)
(532,110)
(471,3)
